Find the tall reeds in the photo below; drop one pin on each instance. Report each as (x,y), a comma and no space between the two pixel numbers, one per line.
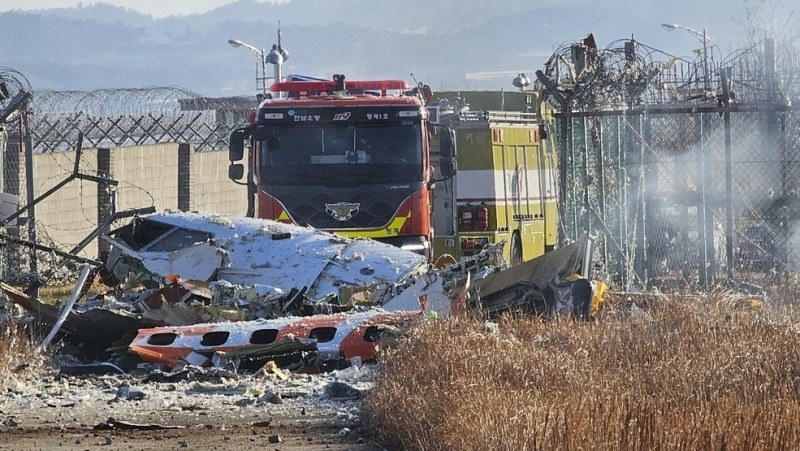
(671,372)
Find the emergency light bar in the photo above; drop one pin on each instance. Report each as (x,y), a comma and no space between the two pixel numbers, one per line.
(330,86)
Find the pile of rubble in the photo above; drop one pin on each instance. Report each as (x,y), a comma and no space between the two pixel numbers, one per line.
(247,294)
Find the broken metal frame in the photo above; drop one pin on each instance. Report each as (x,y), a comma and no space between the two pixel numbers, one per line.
(104,226)
(75,175)
(52,250)
(107,222)
(66,308)
(32,202)
(94,234)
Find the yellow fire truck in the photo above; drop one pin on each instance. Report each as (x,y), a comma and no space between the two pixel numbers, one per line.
(504,187)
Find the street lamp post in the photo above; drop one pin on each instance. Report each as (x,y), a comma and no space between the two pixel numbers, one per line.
(276,56)
(704,38)
(261,57)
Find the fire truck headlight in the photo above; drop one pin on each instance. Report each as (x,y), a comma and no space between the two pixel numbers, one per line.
(416,244)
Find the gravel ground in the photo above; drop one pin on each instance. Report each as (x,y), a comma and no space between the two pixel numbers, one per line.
(197,409)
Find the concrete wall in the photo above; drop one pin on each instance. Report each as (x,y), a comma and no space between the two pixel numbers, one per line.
(167,176)
(147,175)
(69,214)
(212,190)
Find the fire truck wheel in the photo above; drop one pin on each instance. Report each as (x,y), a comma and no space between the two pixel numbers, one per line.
(516,250)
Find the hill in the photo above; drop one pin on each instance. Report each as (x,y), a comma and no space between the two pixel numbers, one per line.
(451,45)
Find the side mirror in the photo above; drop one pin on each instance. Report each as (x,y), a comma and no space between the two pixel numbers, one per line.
(274,143)
(236,146)
(447,144)
(236,171)
(447,167)
(543,131)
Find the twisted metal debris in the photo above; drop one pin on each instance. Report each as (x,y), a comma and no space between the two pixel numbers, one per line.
(629,73)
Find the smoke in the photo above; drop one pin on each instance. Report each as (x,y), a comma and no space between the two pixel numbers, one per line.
(687,173)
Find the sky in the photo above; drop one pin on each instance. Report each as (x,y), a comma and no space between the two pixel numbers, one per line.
(155,8)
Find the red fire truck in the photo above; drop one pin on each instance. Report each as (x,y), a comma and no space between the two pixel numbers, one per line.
(350,157)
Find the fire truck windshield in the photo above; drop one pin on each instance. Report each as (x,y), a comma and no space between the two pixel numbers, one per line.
(334,155)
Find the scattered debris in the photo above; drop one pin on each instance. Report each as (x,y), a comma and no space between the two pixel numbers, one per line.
(341,391)
(272,368)
(271,398)
(127,393)
(59,403)
(191,373)
(97,325)
(248,295)
(555,284)
(98,368)
(296,342)
(10,422)
(112,424)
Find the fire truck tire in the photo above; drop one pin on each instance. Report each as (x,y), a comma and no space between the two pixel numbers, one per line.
(516,250)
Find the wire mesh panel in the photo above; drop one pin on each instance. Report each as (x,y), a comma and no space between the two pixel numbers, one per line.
(684,195)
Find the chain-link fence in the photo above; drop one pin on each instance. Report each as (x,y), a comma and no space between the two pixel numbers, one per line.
(687,194)
(687,171)
(51,121)
(131,117)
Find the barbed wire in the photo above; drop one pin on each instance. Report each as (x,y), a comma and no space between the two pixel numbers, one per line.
(628,72)
(156,100)
(135,116)
(14,80)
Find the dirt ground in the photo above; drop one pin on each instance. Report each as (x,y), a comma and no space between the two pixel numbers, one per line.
(123,412)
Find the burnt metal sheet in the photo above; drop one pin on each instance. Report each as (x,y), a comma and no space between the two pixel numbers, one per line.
(112,424)
(540,271)
(103,327)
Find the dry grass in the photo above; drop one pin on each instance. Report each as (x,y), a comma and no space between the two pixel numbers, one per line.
(681,373)
(56,294)
(20,360)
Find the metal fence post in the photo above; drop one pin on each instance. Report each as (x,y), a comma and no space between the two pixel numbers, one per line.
(106,202)
(33,289)
(184,177)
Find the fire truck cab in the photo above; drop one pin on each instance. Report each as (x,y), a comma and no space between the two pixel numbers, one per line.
(349,157)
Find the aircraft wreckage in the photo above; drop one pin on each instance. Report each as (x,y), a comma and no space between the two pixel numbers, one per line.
(217,290)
